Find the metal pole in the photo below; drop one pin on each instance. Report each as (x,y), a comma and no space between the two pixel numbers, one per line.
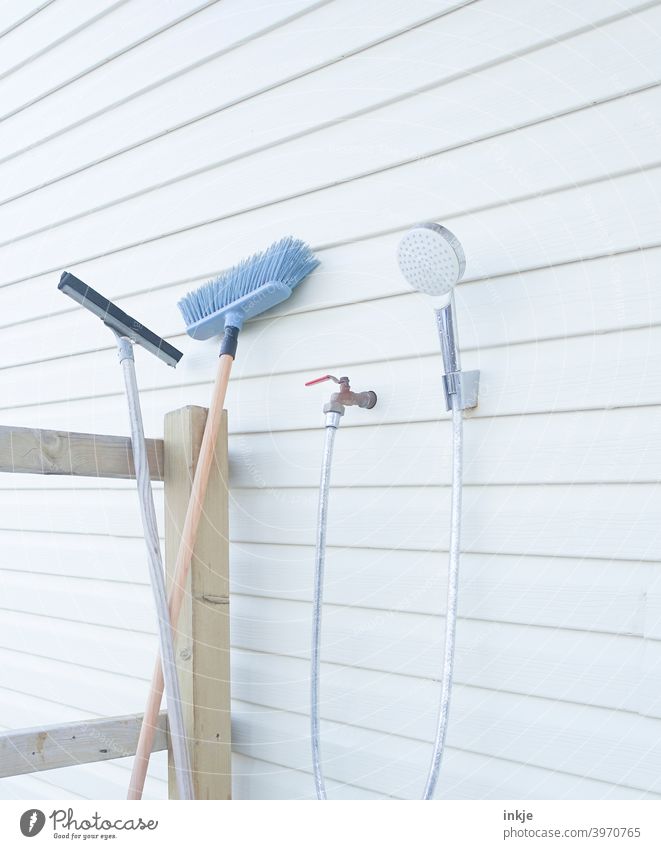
(157,575)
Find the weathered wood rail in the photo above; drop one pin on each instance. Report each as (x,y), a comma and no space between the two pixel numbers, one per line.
(73,743)
(203,629)
(57,452)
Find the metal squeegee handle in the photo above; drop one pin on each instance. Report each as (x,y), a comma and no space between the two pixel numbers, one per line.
(150,528)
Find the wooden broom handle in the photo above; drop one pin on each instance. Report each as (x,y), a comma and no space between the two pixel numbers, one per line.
(182,568)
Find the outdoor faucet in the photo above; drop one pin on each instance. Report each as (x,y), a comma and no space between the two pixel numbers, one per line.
(346,397)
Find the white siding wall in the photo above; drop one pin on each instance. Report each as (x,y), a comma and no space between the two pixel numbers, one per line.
(147,145)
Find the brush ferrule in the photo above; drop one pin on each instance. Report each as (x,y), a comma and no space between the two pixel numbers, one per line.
(230,341)
(234,318)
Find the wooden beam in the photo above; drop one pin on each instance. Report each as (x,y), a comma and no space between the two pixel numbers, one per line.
(203,629)
(73,743)
(56,452)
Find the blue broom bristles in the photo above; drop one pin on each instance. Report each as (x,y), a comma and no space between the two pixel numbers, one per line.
(288,261)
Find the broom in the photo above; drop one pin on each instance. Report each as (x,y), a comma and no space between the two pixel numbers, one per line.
(220,306)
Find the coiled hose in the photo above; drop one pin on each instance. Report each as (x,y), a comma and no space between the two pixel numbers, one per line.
(452,598)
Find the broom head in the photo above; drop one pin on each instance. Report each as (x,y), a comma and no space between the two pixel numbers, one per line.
(250,288)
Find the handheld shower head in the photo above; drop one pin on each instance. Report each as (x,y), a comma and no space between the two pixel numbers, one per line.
(431,259)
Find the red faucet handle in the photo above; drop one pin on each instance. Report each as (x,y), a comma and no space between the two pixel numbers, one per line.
(322,379)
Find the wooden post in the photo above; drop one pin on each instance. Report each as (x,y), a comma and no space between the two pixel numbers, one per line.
(202,639)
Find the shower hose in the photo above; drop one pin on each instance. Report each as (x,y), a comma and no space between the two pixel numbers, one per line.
(332,424)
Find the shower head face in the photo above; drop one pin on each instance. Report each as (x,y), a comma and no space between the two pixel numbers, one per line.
(431,259)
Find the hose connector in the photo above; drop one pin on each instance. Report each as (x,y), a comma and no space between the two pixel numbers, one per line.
(124,347)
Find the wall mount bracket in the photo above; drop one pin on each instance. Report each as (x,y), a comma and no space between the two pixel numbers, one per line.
(465,384)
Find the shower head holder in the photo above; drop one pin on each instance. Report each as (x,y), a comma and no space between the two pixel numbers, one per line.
(465,384)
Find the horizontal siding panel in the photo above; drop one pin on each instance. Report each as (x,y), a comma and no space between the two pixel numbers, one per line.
(572,666)
(101,559)
(22,710)
(200,252)
(80,644)
(109,780)
(43,31)
(87,600)
(16,12)
(355,284)
(302,44)
(653,607)
(107,513)
(574,297)
(470,178)
(440,53)
(255,779)
(130,26)
(565,375)
(52,482)
(542,662)
(105,413)
(600,446)
(99,693)
(332,215)
(603,745)
(398,766)
(554,376)
(591,595)
(588,595)
(616,136)
(562,520)
(33,788)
